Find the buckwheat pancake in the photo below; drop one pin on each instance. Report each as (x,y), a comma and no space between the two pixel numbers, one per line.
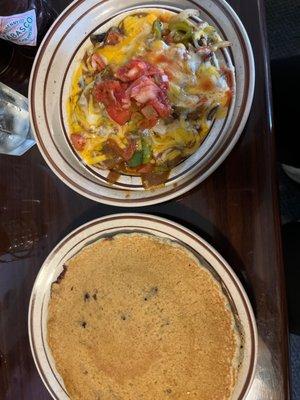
(137,317)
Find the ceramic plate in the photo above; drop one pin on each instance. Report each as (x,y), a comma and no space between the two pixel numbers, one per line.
(125,223)
(49,89)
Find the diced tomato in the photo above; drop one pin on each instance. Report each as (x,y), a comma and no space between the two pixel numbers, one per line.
(149,112)
(148,123)
(97,62)
(78,141)
(131,71)
(118,114)
(113,95)
(122,96)
(162,81)
(161,105)
(154,70)
(136,68)
(164,110)
(112,91)
(104,91)
(145,168)
(149,87)
(151,117)
(143,90)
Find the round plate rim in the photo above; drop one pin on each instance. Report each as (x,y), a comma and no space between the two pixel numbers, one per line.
(167,195)
(139,218)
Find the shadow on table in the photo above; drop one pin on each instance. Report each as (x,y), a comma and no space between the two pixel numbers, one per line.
(185,216)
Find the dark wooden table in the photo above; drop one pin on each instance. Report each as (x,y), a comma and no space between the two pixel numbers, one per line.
(235,209)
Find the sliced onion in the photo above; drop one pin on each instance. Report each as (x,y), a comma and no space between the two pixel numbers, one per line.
(194,62)
(220,45)
(164,155)
(160,128)
(82,101)
(185,14)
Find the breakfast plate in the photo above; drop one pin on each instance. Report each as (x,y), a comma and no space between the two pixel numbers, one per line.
(59,55)
(114,226)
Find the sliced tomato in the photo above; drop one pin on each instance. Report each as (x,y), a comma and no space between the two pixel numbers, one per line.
(118,114)
(78,141)
(98,62)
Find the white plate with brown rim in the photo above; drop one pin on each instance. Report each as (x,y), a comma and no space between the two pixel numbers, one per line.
(109,226)
(50,81)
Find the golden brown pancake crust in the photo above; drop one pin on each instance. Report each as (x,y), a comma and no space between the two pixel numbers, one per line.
(136,318)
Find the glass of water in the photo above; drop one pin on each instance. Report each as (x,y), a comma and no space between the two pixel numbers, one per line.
(15,132)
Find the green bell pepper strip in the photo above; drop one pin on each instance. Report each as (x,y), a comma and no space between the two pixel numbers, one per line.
(147,151)
(136,159)
(181,31)
(157,28)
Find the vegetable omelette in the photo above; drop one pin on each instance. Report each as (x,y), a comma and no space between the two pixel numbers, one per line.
(146,92)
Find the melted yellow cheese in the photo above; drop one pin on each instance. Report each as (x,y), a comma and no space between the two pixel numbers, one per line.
(180,136)
(187,81)
(135,29)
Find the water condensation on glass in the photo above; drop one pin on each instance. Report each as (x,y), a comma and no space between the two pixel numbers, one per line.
(15,132)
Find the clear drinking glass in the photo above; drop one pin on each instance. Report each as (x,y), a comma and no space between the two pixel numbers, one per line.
(15,132)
